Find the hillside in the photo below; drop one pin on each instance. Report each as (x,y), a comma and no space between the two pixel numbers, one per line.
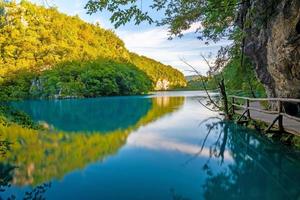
(77,79)
(35,39)
(163,76)
(191,77)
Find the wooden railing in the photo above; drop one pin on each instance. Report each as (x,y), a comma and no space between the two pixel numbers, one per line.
(279,112)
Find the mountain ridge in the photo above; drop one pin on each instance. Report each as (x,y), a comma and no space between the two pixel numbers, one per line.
(36,38)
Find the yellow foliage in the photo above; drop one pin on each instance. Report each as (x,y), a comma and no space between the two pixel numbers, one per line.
(38,38)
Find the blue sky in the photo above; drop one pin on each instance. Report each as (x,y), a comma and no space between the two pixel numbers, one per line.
(148,40)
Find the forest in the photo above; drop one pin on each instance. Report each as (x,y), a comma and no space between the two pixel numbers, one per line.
(264,34)
(78,79)
(35,42)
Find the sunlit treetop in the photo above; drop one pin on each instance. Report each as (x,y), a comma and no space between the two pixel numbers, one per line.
(36,38)
(215,18)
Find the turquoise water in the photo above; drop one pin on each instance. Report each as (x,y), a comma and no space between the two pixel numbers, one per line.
(163,146)
(101,114)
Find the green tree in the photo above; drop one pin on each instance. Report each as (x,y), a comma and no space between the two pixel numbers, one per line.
(36,39)
(216,17)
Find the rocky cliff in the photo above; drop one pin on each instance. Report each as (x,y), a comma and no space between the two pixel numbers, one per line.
(273,43)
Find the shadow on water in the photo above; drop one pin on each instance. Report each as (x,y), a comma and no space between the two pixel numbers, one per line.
(260,169)
(176,196)
(99,114)
(6,169)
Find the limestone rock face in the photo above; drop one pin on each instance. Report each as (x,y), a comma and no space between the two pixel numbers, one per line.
(162,84)
(273,44)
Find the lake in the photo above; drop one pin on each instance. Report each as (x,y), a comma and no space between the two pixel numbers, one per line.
(161,146)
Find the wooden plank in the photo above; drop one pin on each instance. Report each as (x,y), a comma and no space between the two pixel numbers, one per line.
(280,123)
(267,99)
(243,121)
(248,111)
(279,119)
(256,109)
(291,117)
(238,105)
(243,115)
(232,99)
(272,124)
(263,111)
(290,125)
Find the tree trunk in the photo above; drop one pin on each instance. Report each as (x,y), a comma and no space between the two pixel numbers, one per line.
(224,98)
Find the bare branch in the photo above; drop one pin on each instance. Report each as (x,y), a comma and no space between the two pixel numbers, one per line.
(207,107)
(202,81)
(208,119)
(207,62)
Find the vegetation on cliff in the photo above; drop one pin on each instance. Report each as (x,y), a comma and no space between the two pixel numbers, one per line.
(158,72)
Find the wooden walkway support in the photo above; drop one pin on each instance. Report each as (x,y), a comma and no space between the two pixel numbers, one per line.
(251,108)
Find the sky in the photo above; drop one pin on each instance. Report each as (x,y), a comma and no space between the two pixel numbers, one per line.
(149,40)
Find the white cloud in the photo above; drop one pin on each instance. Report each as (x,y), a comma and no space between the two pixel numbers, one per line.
(154,43)
(194,27)
(148,40)
(151,38)
(157,142)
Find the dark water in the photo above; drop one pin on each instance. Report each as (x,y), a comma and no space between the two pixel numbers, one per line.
(162,147)
(101,114)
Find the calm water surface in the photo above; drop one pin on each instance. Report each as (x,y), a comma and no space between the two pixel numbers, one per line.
(162,146)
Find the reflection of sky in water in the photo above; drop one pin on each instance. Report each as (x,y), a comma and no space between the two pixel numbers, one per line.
(163,144)
(179,132)
(176,157)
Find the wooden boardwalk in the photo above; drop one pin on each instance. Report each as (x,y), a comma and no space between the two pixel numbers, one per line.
(276,119)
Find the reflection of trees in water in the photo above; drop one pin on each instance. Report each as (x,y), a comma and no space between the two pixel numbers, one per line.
(7,175)
(161,106)
(42,156)
(217,149)
(6,170)
(261,169)
(4,147)
(38,192)
(176,196)
(100,114)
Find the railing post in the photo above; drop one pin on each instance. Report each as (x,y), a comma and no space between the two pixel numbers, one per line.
(248,105)
(280,120)
(233,112)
